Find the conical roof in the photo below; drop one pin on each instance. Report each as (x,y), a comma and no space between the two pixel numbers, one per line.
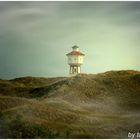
(75,53)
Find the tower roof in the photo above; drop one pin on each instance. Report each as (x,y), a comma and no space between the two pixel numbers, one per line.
(75,53)
(75,46)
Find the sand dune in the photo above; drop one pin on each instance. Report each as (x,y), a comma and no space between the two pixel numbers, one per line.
(104,105)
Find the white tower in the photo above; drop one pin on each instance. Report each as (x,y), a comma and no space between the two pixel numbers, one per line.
(75,60)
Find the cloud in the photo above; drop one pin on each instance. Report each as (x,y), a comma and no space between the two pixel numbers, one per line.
(35,36)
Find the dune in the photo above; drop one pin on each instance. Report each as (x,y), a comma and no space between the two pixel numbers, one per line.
(104,105)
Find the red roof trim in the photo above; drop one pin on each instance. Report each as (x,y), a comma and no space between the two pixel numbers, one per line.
(75,53)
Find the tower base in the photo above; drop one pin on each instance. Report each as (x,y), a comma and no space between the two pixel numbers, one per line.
(74,70)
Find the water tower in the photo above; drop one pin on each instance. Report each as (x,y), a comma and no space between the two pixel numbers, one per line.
(75,60)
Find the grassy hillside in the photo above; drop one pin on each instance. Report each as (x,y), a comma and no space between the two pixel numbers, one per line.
(104,105)
(21,87)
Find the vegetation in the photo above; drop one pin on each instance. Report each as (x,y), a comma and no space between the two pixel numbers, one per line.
(105,105)
(19,128)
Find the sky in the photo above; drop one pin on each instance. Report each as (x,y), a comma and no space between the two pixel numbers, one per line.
(36,36)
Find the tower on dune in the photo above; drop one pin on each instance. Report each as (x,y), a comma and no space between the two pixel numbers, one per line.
(75,60)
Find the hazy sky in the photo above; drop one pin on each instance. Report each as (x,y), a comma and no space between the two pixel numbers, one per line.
(36,36)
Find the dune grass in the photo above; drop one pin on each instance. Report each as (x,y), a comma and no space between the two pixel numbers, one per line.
(105,105)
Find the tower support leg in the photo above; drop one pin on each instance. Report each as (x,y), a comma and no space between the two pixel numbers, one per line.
(74,70)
